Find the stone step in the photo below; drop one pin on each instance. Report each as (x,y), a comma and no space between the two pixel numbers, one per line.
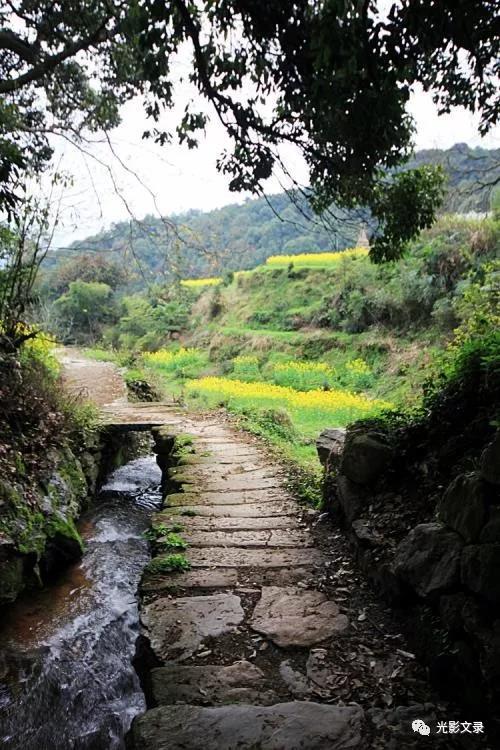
(224,497)
(235,469)
(224,483)
(225,523)
(292,616)
(242,510)
(297,725)
(219,557)
(241,682)
(202,578)
(177,627)
(250,538)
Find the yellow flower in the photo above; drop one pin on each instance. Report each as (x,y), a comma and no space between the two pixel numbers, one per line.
(325,401)
(197,283)
(317,259)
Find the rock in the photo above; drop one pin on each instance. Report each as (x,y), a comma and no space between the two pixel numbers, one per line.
(164,440)
(490,657)
(329,446)
(365,536)
(241,682)
(351,497)
(490,461)
(294,726)
(11,578)
(428,559)
(295,617)
(480,570)
(450,610)
(365,458)
(296,682)
(177,627)
(491,530)
(463,507)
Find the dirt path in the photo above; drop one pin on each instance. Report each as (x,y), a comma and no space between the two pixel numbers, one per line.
(271,639)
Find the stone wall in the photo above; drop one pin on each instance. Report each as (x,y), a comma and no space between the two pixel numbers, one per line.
(38,536)
(436,557)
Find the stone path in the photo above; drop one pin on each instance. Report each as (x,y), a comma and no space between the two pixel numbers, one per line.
(271,639)
(224,630)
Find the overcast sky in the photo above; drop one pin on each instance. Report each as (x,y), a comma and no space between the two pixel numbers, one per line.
(172,179)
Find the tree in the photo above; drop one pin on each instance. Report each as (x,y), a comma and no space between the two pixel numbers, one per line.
(88,306)
(84,267)
(24,243)
(331,77)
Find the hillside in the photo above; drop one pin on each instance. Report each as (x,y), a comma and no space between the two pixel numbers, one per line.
(240,236)
(305,342)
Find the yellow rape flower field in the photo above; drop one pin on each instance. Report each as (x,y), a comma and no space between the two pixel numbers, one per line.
(311,411)
(201,283)
(316,259)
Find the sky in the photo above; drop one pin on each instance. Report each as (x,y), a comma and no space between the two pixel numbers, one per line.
(138,178)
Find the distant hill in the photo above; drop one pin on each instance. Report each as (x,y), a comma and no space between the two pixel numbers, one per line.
(241,236)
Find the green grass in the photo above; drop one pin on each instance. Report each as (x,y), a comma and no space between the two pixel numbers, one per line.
(175,563)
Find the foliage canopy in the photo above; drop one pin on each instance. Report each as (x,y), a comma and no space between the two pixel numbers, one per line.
(332,78)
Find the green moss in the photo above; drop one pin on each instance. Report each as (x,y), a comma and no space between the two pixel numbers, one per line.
(59,526)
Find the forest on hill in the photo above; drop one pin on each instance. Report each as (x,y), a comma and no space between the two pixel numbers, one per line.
(240,236)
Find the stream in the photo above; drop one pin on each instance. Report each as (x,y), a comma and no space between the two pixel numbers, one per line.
(66,675)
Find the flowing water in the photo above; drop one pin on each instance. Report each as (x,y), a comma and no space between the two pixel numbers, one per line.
(66,675)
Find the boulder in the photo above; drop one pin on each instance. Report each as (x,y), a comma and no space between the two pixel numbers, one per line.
(490,461)
(450,610)
(463,506)
(491,530)
(329,446)
(365,535)
(352,498)
(428,559)
(365,457)
(480,570)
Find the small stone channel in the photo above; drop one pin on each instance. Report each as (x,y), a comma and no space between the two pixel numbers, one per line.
(67,680)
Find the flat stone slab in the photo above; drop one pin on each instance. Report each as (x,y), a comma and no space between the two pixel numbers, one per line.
(297,617)
(241,682)
(177,627)
(218,557)
(213,469)
(227,449)
(285,726)
(250,538)
(225,523)
(221,578)
(245,510)
(223,497)
(238,483)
